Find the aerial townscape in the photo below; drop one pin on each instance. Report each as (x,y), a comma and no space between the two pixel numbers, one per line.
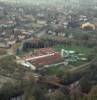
(48,50)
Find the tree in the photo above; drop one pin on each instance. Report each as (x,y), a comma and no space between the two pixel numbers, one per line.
(29,97)
(93,94)
(75,94)
(73,24)
(38,93)
(32,90)
(56,95)
(66,92)
(10,90)
(85,84)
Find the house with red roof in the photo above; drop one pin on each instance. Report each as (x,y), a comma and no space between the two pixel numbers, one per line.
(44,57)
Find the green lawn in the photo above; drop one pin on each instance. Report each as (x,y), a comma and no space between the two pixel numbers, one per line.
(77,63)
(56,69)
(80,49)
(53,70)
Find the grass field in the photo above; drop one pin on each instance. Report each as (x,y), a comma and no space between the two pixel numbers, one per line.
(56,69)
(53,70)
(80,49)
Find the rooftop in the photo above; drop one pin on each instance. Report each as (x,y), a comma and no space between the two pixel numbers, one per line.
(43,56)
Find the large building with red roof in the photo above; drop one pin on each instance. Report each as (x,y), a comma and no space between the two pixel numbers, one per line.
(44,57)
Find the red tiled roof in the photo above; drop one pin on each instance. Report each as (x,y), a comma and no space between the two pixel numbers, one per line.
(41,62)
(45,50)
(43,56)
(40,52)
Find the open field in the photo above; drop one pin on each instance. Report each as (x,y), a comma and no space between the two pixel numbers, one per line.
(80,49)
(72,65)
